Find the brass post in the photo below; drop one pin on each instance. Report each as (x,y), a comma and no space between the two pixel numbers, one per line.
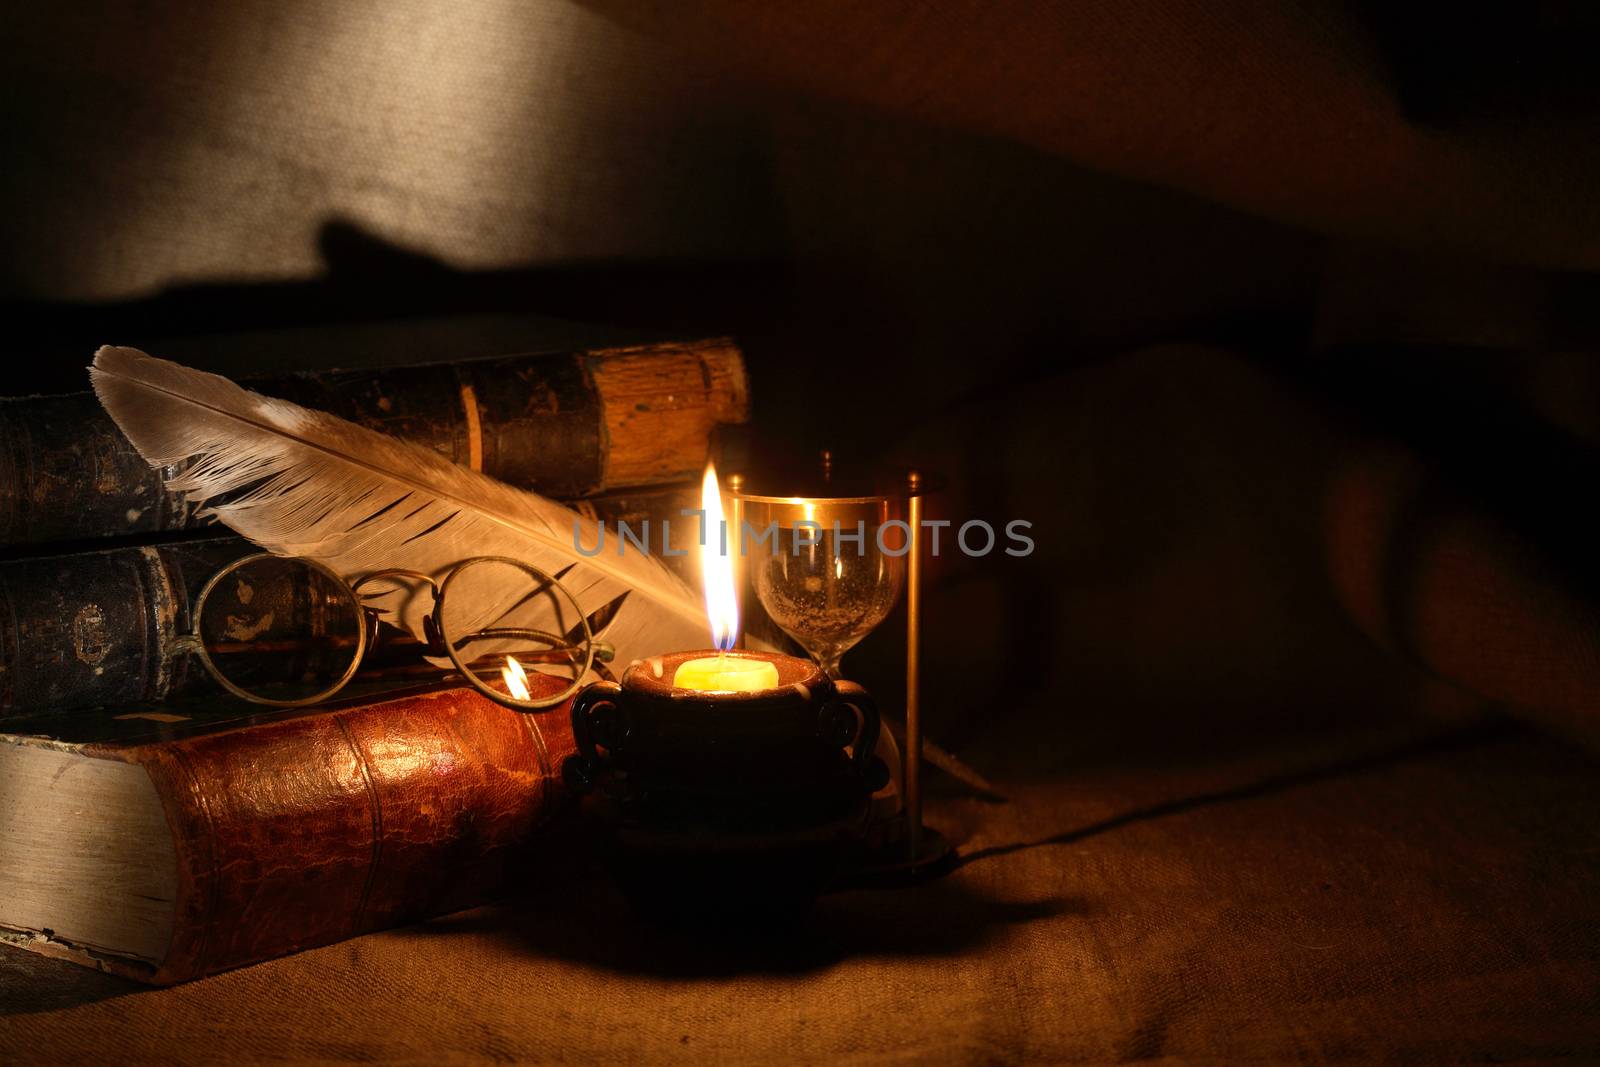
(913,757)
(736,547)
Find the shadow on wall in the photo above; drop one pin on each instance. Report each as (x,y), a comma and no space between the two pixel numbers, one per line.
(368,280)
(212,142)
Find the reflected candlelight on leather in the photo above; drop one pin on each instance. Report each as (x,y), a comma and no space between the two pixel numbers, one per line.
(721,673)
(516,678)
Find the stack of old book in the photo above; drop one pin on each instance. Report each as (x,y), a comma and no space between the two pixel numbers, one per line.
(151,824)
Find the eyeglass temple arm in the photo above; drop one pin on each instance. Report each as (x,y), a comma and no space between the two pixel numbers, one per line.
(603,650)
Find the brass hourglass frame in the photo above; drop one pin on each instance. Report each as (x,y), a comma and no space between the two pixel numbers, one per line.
(899,499)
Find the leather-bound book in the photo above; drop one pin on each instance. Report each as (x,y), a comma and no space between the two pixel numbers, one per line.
(102,628)
(168,844)
(569,425)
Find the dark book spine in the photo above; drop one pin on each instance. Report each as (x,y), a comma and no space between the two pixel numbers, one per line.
(302,831)
(97,628)
(102,628)
(568,425)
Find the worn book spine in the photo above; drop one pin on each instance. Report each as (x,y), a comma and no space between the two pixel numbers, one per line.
(567,425)
(301,831)
(92,629)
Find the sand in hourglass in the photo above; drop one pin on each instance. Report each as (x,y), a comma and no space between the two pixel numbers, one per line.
(827,595)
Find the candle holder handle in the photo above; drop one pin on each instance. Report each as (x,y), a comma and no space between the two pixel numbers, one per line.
(851,718)
(597,722)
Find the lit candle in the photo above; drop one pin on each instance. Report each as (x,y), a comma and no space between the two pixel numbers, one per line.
(721,673)
(725,674)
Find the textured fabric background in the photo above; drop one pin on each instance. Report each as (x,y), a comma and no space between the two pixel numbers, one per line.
(1433,124)
(1400,895)
(154,144)
(181,140)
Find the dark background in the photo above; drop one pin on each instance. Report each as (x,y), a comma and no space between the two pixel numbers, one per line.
(1276,320)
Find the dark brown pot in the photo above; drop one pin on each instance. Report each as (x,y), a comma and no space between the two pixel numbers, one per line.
(717,801)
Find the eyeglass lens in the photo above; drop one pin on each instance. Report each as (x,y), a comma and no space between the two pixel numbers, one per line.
(280,629)
(512,628)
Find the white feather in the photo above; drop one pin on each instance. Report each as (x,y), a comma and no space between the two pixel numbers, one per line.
(305,483)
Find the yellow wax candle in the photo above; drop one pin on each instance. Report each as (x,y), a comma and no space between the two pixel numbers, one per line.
(725,674)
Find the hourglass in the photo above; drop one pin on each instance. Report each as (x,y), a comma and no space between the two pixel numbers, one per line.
(827,561)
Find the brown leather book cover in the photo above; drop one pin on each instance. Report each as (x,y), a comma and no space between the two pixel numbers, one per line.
(292,831)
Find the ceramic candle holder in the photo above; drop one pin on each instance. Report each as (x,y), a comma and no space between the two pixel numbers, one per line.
(714,802)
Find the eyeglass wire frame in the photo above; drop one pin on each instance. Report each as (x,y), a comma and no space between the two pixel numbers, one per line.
(366,634)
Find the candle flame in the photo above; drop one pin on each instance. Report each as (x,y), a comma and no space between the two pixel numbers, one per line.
(516,678)
(716,565)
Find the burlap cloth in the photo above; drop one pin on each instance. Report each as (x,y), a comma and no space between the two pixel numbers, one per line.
(1421,892)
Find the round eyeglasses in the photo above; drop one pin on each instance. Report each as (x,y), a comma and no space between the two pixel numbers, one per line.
(290,632)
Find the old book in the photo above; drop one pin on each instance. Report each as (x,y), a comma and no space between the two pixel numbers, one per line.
(567,424)
(168,844)
(101,628)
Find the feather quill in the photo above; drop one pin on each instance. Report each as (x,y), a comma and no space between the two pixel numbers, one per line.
(304,483)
